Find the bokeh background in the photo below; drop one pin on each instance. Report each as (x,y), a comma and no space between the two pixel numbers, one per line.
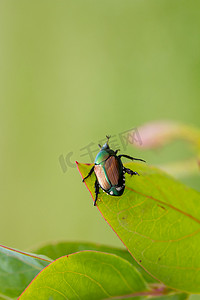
(72,71)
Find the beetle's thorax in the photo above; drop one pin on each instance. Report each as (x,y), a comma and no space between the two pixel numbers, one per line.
(103,155)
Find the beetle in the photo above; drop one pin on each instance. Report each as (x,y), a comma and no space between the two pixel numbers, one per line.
(109,171)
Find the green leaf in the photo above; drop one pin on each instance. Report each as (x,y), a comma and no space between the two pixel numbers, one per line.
(86,275)
(158,220)
(177,296)
(174,296)
(17,269)
(194,297)
(56,250)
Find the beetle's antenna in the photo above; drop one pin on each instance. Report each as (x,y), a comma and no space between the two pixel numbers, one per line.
(105,146)
(99,146)
(108,137)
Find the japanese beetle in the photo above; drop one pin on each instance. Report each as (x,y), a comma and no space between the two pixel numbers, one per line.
(109,171)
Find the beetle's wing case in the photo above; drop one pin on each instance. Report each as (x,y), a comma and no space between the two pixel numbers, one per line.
(101,177)
(112,170)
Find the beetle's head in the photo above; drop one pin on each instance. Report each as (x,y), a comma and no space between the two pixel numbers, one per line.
(105,146)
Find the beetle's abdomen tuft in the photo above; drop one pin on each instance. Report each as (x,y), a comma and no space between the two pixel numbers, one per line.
(112,170)
(99,171)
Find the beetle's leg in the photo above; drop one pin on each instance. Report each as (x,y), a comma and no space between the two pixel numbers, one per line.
(96,185)
(90,173)
(116,151)
(129,171)
(130,157)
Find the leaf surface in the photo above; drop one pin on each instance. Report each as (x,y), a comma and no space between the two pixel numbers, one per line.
(174,296)
(86,275)
(17,269)
(158,220)
(56,250)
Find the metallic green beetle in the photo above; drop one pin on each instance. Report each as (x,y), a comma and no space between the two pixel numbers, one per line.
(109,171)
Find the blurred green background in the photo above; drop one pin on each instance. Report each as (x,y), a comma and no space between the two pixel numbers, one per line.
(70,73)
